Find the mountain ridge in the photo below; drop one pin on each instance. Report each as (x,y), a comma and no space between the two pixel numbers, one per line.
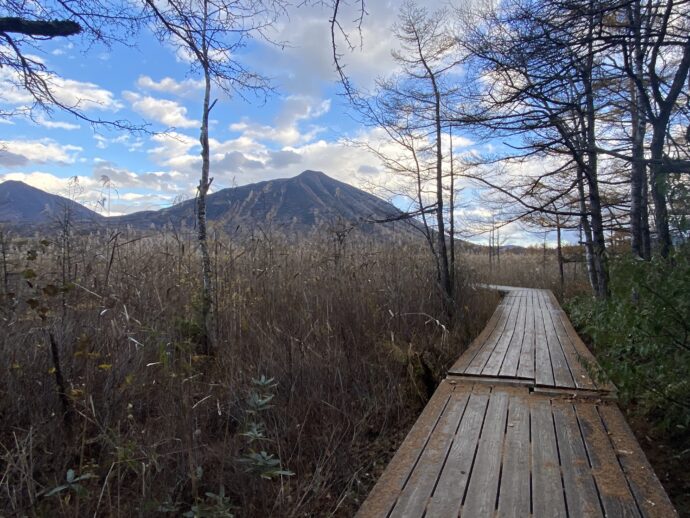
(296,204)
(21,203)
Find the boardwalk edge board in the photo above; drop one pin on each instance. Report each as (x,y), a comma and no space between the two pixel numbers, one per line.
(520,428)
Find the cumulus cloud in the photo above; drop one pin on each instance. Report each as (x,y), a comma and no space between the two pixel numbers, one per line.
(80,188)
(306,63)
(9,159)
(170,113)
(132,143)
(282,159)
(119,177)
(80,95)
(42,120)
(234,161)
(15,153)
(367,169)
(168,146)
(286,127)
(170,86)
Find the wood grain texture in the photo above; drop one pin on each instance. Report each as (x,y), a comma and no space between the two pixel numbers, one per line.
(520,428)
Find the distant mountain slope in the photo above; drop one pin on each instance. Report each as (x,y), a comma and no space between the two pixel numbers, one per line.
(295,205)
(309,200)
(21,203)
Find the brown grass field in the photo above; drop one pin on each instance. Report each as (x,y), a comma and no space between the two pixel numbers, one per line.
(102,376)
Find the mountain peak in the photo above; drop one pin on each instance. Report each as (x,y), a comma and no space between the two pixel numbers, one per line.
(301,203)
(23,203)
(16,184)
(309,174)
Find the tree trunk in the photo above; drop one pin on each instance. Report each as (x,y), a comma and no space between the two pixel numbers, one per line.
(591,173)
(587,231)
(451,201)
(204,184)
(638,177)
(644,215)
(639,215)
(444,270)
(657,184)
(598,237)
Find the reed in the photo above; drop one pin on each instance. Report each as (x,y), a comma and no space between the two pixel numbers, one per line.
(103,377)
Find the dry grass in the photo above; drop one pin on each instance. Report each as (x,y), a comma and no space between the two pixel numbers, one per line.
(531,268)
(348,331)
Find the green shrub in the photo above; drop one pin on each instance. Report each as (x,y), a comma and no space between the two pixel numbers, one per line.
(641,337)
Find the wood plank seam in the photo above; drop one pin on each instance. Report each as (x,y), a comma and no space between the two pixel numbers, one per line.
(550,444)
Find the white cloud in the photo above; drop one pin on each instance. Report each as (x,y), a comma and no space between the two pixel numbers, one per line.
(286,127)
(78,95)
(171,86)
(41,120)
(83,96)
(23,152)
(131,142)
(83,191)
(118,176)
(171,145)
(306,63)
(167,112)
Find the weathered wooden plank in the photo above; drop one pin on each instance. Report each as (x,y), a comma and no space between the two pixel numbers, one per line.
(586,358)
(497,317)
(517,452)
(511,357)
(526,366)
(447,497)
(491,380)
(612,485)
(561,372)
(514,333)
(646,488)
(543,371)
(547,490)
(385,493)
(415,495)
(580,375)
(483,486)
(514,494)
(581,494)
(478,363)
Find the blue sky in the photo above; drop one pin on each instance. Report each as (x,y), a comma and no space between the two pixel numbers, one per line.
(302,126)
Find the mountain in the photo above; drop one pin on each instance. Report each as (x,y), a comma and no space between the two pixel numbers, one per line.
(291,205)
(307,201)
(22,204)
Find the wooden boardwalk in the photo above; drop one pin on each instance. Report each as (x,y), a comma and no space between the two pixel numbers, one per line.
(521,428)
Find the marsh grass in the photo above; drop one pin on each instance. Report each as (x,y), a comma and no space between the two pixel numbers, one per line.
(533,267)
(350,331)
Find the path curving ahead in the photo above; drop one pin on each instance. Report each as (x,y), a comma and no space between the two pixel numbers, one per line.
(521,427)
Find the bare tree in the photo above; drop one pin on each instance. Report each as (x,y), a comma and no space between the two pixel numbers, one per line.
(411,107)
(657,60)
(542,98)
(210,33)
(25,25)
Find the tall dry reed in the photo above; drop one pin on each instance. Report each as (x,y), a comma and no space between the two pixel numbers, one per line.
(101,374)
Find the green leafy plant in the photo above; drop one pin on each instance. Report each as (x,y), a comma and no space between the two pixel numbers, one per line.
(215,505)
(642,337)
(72,483)
(265,465)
